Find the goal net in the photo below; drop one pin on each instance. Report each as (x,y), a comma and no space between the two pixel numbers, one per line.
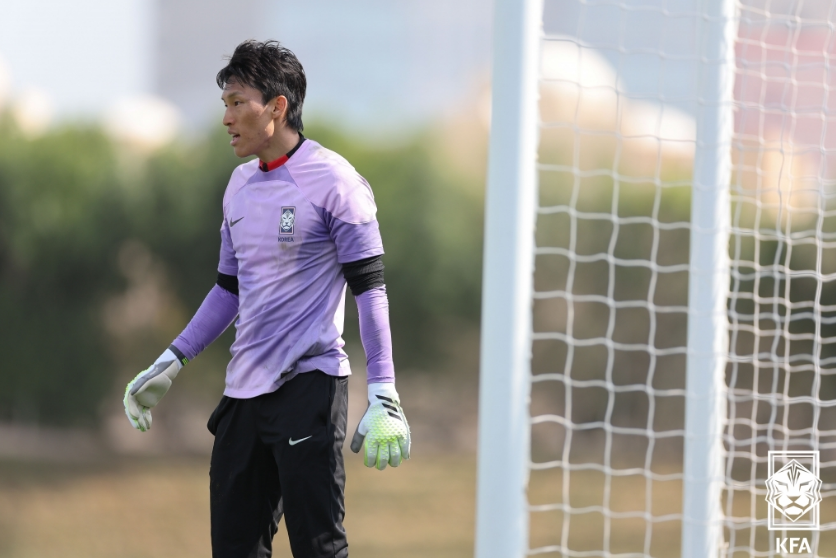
(683,305)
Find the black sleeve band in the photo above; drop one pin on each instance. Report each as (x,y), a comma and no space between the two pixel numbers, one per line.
(364,275)
(228,282)
(180,356)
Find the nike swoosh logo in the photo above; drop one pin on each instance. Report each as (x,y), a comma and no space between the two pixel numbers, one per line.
(293,442)
(232,223)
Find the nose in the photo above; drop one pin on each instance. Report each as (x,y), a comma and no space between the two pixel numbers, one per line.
(227,120)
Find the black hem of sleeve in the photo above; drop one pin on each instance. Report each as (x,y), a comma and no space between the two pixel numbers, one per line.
(180,356)
(364,275)
(228,282)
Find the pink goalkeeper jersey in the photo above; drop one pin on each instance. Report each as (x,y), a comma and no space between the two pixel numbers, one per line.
(285,234)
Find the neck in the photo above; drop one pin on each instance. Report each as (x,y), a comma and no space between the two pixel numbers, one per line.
(282,141)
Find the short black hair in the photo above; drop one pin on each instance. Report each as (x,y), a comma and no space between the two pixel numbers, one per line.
(272,69)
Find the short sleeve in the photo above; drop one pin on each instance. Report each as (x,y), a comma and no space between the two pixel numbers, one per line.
(356,241)
(343,198)
(352,219)
(228,264)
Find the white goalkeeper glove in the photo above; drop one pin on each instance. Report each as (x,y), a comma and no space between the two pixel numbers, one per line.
(383,433)
(149,386)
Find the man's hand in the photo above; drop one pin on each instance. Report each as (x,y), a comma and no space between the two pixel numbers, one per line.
(383,429)
(149,386)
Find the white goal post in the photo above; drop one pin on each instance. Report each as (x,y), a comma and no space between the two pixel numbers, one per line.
(708,283)
(502,519)
(659,281)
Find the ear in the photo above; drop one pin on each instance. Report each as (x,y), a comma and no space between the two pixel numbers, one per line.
(280,107)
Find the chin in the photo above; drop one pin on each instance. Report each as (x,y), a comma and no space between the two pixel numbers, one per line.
(241,151)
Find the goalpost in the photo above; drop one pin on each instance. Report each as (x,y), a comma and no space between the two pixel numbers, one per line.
(502,519)
(659,296)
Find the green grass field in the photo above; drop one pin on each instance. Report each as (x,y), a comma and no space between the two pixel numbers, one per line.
(150,508)
(160,508)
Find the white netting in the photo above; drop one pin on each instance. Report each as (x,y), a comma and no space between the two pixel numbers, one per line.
(782,307)
(618,95)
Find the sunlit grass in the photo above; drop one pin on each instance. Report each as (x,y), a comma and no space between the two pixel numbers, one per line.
(160,508)
(150,509)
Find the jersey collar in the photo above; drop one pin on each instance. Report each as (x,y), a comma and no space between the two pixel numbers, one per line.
(276,163)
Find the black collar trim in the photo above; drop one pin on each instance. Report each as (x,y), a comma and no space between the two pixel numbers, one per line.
(273,165)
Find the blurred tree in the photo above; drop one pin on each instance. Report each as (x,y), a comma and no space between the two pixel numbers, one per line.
(85,222)
(61,217)
(77,212)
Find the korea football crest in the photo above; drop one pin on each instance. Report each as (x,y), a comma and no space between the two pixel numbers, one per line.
(793,490)
(288,221)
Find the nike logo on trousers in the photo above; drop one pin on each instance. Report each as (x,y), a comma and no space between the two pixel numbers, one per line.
(293,442)
(232,224)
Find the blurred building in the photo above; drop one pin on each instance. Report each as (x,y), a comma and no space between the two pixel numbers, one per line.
(192,38)
(372,65)
(376,65)
(784,87)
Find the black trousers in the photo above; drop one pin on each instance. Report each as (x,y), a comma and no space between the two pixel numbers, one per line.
(280,454)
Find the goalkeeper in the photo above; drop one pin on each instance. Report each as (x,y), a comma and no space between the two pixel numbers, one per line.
(298,225)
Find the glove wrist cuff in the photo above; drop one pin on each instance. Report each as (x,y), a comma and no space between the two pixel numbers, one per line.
(172,354)
(383,389)
(181,358)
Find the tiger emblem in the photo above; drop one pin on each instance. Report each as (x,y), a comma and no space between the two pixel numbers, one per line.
(288,217)
(793,490)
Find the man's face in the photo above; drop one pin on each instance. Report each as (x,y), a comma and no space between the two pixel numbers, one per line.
(248,119)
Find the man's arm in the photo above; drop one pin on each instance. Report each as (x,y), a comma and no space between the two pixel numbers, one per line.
(346,204)
(219,309)
(383,430)
(365,280)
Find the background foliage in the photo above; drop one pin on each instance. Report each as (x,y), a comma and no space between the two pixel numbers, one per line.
(79,213)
